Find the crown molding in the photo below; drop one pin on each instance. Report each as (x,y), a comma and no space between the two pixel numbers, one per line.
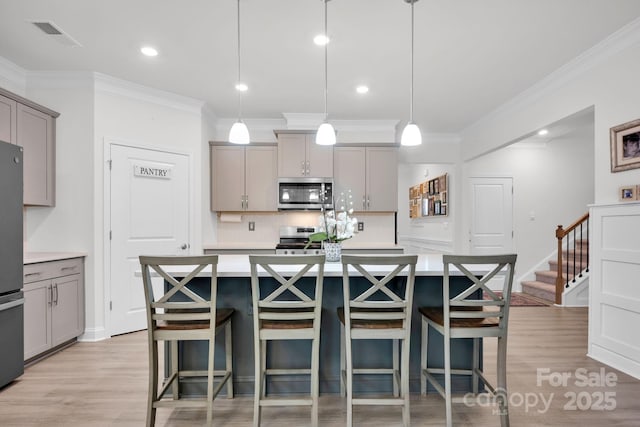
(60,79)
(13,77)
(303,121)
(108,84)
(261,130)
(622,39)
(441,138)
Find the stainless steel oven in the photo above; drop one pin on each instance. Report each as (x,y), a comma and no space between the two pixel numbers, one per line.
(305,193)
(293,240)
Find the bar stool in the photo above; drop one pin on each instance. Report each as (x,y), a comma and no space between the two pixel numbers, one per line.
(180,314)
(467,315)
(285,307)
(380,311)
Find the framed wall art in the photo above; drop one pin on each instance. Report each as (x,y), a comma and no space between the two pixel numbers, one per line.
(625,146)
(627,193)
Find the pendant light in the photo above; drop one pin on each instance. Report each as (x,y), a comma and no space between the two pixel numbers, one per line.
(325,135)
(411,133)
(239,133)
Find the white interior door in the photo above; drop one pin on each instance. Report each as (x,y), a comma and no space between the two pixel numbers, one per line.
(149,213)
(491,215)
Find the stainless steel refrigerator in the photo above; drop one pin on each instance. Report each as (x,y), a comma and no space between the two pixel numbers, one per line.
(11,261)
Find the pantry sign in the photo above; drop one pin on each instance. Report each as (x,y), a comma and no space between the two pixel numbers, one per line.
(152,170)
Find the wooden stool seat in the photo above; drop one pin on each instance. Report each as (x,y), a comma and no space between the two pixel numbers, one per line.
(436,314)
(369,323)
(223,315)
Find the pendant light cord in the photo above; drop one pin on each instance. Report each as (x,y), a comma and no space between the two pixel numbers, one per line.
(325,59)
(239,81)
(411,93)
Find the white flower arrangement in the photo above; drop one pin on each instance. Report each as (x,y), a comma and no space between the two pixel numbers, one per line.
(337,227)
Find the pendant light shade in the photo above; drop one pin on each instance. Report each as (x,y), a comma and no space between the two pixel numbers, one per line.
(325,135)
(411,133)
(239,133)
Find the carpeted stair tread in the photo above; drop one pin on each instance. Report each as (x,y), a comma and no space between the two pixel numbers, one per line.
(547,276)
(540,290)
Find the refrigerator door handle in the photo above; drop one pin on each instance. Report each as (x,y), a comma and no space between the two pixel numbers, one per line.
(11,304)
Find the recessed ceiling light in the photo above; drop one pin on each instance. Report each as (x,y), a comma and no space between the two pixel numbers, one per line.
(362,89)
(241,87)
(543,132)
(321,40)
(148,51)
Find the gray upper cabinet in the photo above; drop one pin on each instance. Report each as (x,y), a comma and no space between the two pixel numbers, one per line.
(370,173)
(243,178)
(8,120)
(32,127)
(299,155)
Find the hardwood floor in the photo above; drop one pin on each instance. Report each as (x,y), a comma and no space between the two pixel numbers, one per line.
(105,383)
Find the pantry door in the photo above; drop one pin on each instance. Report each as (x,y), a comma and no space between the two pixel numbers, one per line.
(149,214)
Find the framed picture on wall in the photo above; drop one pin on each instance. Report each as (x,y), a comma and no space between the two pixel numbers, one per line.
(628,193)
(625,146)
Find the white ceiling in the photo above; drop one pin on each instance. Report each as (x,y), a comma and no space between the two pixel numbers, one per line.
(470,55)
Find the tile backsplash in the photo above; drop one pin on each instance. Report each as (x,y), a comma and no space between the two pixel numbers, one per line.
(378,227)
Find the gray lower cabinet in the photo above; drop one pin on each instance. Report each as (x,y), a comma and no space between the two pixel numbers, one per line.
(54,305)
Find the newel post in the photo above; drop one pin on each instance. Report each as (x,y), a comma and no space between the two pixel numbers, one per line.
(559,279)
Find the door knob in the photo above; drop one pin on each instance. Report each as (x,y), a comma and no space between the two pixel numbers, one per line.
(184,246)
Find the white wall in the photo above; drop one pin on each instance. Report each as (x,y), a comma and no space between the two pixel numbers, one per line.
(70,225)
(133,114)
(429,234)
(553,185)
(605,78)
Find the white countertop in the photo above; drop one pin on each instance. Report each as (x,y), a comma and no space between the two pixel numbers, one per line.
(272,245)
(238,266)
(240,245)
(35,257)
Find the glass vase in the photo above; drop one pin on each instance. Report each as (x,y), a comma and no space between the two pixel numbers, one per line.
(332,251)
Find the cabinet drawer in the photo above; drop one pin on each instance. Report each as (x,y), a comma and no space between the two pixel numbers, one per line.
(52,269)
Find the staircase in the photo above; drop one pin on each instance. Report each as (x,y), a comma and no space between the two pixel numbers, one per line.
(544,285)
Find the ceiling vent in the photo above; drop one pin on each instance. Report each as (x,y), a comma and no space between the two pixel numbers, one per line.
(54,32)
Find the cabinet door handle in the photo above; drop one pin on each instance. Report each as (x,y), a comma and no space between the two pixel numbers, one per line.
(308,167)
(56,301)
(32,274)
(68,268)
(364,203)
(368,202)
(246,206)
(50,296)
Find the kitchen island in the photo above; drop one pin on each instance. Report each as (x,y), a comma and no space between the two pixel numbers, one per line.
(234,290)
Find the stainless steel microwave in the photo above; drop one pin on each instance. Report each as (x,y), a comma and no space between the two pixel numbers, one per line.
(305,193)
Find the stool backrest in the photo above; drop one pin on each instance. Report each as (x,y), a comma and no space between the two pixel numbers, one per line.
(381,297)
(279,294)
(471,303)
(179,304)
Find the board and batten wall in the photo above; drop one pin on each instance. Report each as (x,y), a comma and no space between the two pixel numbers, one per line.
(614,294)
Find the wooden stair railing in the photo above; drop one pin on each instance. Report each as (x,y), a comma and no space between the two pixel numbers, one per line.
(579,231)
